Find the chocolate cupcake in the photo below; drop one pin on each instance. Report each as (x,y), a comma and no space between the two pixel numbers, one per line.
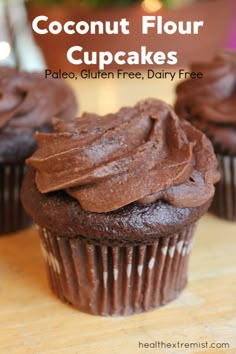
(210,105)
(116,199)
(28,102)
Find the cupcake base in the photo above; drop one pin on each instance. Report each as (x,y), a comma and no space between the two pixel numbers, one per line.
(113,280)
(224,202)
(12,214)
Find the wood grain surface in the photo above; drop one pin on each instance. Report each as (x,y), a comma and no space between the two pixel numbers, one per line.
(33,320)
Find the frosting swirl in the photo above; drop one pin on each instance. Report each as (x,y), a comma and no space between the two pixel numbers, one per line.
(140,154)
(210,103)
(28,102)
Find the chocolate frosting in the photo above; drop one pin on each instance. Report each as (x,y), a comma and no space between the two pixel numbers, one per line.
(210,103)
(28,102)
(142,153)
(132,225)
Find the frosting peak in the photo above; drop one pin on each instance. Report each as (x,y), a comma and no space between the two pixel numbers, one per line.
(140,154)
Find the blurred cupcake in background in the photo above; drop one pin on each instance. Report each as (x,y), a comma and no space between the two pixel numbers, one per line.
(210,105)
(28,102)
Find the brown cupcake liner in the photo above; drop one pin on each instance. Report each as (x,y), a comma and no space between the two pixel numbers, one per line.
(105,280)
(12,215)
(224,202)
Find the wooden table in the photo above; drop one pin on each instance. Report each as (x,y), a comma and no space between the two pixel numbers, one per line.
(34,321)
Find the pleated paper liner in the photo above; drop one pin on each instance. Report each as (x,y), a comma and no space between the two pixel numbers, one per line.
(12,214)
(224,202)
(104,280)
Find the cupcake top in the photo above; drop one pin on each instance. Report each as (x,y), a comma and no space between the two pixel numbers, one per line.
(28,102)
(210,103)
(140,154)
